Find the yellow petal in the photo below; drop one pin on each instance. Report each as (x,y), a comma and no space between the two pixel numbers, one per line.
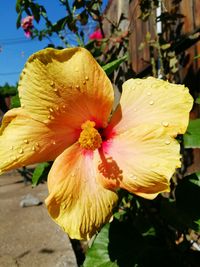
(68,85)
(146,158)
(24,140)
(76,201)
(155,102)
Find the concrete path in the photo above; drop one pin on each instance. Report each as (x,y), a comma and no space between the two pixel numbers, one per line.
(28,236)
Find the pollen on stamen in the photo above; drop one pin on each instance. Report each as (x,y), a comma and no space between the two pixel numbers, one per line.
(90,138)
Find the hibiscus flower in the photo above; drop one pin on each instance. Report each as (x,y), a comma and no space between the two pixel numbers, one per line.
(96,35)
(65,116)
(27,25)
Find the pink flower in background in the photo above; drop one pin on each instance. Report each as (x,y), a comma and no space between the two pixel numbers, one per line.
(97,35)
(27,25)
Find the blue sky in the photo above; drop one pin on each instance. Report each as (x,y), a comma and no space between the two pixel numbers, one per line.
(15,48)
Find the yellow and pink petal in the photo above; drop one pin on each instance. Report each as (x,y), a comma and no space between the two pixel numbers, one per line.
(77,201)
(142,161)
(152,101)
(68,84)
(25,141)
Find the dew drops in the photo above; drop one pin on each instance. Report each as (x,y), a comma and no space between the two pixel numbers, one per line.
(50,109)
(11,148)
(49,117)
(132,176)
(77,87)
(138,82)
(149,93)
(22,105)
(87,78)
(64,106)
(54,142)
(33,148)
(84,82)
(52,83)
(26,141)
(167,142)
(37,144)
(165,123)
(151,102)
(21,151)
(55,90)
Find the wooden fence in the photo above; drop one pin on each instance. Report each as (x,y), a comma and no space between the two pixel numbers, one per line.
(140,58)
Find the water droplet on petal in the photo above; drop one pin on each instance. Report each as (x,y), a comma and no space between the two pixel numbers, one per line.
(151,102)
(49,117)
(87,78)
(84,82)
(167,142)
(138,82)
(12,147)
(52,83)
(149,93)
(25,141)
(53,142)
(50,109)
(132,176)
(21,151)
(165,123)
(55,90)
(33,148)
(64,106)
(77,87)
(37,144)
(22,105)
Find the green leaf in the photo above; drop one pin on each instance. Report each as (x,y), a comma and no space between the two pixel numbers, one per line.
(98,255)
(40,173)
(8,90)
(110,67)
(18,6)
(198,56)
(197,101)
(35,8)
(15,101)
(192,136)
(188,198)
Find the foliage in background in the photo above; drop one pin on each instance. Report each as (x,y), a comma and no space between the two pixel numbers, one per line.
(165,231)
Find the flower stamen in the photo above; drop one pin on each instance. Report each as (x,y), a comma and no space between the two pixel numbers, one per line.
(89,138)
